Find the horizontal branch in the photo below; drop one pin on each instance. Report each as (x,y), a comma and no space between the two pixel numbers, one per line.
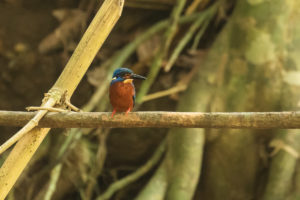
(253,120)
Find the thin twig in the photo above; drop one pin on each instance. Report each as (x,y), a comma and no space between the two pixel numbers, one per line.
(180,86)
(71,106)
(50,109)
(173,90)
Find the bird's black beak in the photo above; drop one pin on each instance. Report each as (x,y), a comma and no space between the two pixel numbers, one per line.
(136,76)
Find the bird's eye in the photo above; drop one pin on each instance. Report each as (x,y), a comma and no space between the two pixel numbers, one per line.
(126,76)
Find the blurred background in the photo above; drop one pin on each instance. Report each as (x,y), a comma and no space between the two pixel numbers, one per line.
(198,55)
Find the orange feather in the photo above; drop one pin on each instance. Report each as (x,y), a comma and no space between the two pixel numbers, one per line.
(121,96)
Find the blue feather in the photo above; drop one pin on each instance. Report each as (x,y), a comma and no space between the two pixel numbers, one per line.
(118,77)
(119,73)
(133,97)
(122,71)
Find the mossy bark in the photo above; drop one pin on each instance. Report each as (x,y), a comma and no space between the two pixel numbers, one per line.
(283,177)
(253,47)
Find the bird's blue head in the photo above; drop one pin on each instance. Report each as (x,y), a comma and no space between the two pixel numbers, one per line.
(125,75)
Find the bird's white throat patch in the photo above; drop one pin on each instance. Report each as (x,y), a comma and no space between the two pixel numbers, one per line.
(128,81)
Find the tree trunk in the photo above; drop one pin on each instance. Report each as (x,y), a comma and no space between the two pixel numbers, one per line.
(253,48)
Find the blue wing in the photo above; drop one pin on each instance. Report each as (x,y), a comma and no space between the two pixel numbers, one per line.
(133,97)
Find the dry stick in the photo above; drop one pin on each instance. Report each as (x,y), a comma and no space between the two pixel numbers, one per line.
(113,188)
(50,109)
(173,90)
(82,57)
(180,86)
(253,120)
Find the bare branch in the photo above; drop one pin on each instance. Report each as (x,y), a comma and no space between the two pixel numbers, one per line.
(253,120)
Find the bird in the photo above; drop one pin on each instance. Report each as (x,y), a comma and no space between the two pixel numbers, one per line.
(122,90)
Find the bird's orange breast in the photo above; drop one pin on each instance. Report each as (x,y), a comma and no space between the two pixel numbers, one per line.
(121,96)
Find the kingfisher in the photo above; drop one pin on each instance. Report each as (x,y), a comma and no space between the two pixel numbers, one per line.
(122,90)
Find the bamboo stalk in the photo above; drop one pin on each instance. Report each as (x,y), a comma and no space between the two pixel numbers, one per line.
(63,89)
(89,45)
(18,159)
(251,120)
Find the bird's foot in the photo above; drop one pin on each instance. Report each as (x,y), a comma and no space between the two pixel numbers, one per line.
(129,109)
(113,113)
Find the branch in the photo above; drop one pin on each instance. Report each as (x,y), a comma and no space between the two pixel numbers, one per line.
(253,120)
